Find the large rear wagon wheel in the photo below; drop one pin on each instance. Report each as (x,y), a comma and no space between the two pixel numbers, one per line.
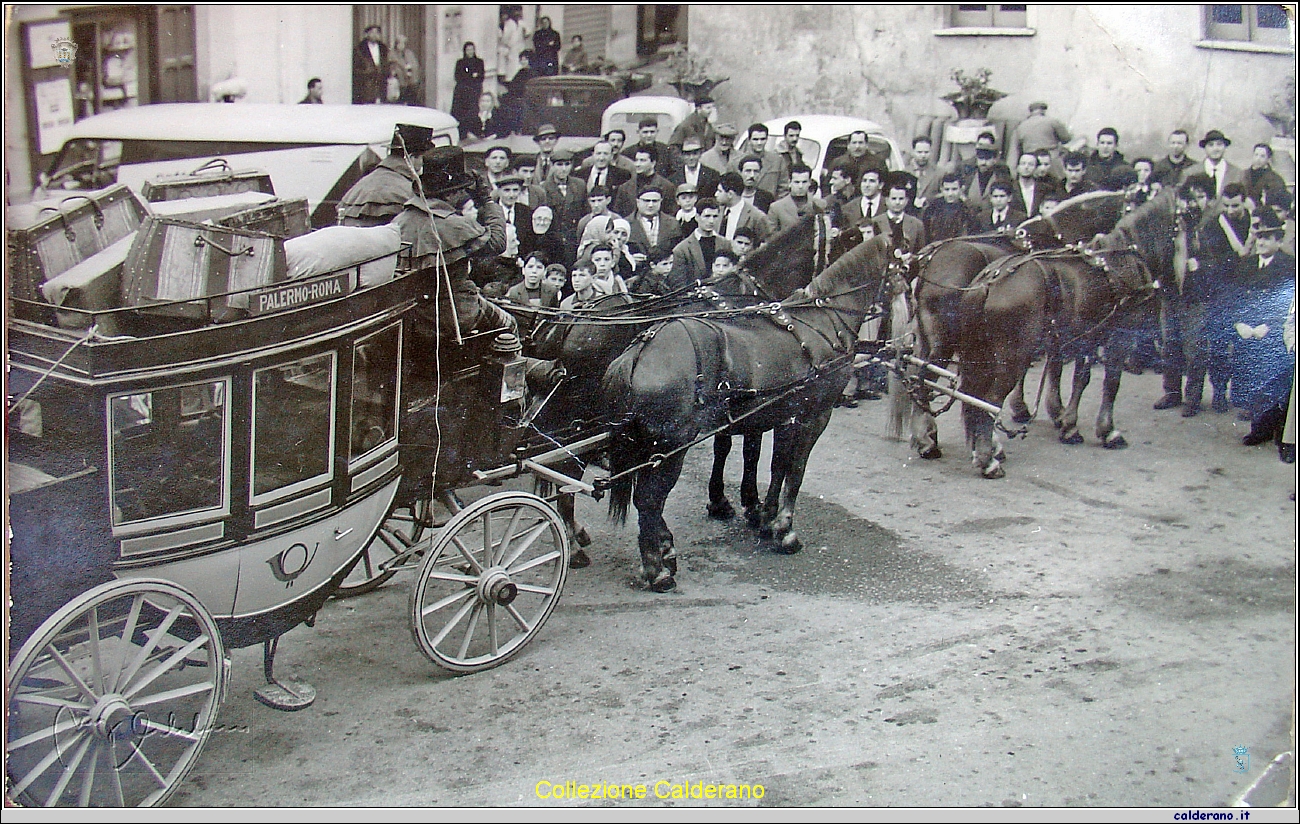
(112,699)
(404,528)
(489,582)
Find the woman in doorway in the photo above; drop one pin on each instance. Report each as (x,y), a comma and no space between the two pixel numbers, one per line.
(406,65)
(469,87)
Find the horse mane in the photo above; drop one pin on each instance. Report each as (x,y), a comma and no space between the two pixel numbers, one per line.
(872,254)
(771,264)
(1153,221)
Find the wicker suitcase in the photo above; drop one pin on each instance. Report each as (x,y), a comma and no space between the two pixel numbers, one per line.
(47,240)
(176,260)
(212,178)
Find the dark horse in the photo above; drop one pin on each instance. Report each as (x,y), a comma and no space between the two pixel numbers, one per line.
(1071,301)
(588,341)
(774,368)
(947,268)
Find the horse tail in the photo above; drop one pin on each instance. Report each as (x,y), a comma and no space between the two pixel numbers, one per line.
(625,450)
(623,454)
(902,333)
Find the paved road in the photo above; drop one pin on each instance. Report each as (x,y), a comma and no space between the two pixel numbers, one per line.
(1098,628)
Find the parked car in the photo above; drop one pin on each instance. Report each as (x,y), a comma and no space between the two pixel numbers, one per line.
(316,152)
(625,114)
(826,136)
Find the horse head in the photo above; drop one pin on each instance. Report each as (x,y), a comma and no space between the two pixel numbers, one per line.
(789,260)
(580,340)
(851,283)
(1151,232)
(1076,220)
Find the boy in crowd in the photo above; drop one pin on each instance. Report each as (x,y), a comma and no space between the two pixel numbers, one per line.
(580,279)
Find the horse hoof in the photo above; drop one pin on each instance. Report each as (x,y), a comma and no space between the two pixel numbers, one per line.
(789,545)
(664,583)
(1073,439)
(670,564)
(994,471)
(579,560)
(765,530)
(1056,423)
(582,536)
(753,518)
(721,510)
(1115,441)
(933,453)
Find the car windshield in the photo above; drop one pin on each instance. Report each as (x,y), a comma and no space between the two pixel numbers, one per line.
(876,144)
(808,149)
(86,163)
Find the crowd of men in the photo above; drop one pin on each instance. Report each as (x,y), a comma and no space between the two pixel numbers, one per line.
(651,216)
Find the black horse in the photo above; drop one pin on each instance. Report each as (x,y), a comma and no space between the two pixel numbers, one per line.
(774,368)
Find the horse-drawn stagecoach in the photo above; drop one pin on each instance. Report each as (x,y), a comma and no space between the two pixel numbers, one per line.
(206,441)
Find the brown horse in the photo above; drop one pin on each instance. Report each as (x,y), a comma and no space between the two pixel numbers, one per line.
(774,368)
(1072,302)
(945,270)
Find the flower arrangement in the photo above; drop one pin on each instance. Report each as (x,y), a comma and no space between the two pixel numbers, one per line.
(974,96)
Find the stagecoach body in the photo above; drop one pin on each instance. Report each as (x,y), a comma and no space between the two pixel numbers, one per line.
(200,462)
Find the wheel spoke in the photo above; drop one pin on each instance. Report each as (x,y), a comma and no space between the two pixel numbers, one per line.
(47,701)
(492,627)
(538,561)
(469,632)
(97,667)
(528,541)
(455,619)
(138,755)
(509,534)
(445,602)
(452,577)
(183,652)
(37,771)
(469,556)
(519,619)
(88,783)
(487,537)
(154,638)
(76,679)
(128,631)
(548,591)
(116,774)
(69,772)
(170,695)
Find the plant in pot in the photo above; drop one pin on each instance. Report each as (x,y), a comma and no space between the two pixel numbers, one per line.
(974,96)
(690,75)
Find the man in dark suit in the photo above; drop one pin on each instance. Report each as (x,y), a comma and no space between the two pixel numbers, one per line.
(773,174)
(704,179)
(647,176)
(1027,192)
(1262,367)
(1216,167)
(693,257)
(906,232)
(751,168)
(602,171)
(863,209)
(648,132)
(566,195)
(651,228)
(948,216)
(1171,169)
(1076,166)
(1106,165)
(519,219)
(370,67)
(998,215)
(737,213)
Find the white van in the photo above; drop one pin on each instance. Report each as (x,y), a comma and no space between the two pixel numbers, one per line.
(316,152)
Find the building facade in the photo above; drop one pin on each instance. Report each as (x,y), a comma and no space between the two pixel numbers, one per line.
(1141,69)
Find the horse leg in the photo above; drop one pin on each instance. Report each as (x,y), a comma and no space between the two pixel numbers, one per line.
(658,557)
(925,434)
(1052,368)
(779,467)
(751,448)
(1016,403)
(719,507)
(1070,418)
(803,439)
(1109,436)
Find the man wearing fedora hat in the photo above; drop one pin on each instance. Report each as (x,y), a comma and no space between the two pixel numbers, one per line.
(547,137)
(1216,167)
(370,67)
(693,171)
(378,197)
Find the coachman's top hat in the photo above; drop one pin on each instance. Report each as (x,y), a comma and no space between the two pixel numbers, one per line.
(412,140)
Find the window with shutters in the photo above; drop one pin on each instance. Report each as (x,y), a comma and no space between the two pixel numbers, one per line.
(1264,27)
(993,19)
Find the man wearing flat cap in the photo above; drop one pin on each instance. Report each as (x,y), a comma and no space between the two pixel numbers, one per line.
(698,124)
(370,67)
(723,153)
(547,137)
(693,170)
(379,196)
(1216,167)
(566,194)
(1038,131)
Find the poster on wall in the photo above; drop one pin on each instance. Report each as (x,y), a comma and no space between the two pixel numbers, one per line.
(53,112)
(43,42)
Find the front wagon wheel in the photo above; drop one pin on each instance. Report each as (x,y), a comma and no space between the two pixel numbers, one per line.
(490,581)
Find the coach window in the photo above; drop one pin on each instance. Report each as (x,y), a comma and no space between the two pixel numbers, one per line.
(168,456)
(994,19)
(375,376)
(293,426)
(1260,28)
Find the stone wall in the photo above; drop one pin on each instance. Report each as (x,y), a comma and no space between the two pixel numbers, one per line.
(1136,68)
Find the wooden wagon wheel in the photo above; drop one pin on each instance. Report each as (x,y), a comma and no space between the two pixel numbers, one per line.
(112,698)
(404,528)
(489,582)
